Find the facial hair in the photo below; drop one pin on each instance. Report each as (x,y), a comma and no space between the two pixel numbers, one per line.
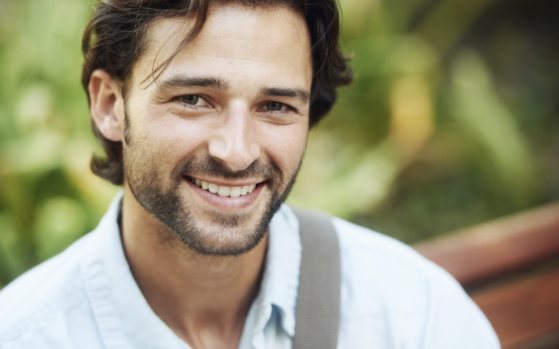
(166,204)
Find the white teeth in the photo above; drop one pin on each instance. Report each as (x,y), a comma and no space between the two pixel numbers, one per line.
(225,191)
(213,188)
(235,192)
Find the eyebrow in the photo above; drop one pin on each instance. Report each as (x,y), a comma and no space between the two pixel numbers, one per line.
(187,81)
(287,92)
(203,81)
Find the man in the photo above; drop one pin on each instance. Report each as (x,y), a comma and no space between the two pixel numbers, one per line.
(203,109)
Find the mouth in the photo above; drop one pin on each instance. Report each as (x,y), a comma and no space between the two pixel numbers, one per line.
(226,191)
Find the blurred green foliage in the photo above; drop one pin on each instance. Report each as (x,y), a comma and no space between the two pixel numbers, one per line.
(452,120)
(48,197)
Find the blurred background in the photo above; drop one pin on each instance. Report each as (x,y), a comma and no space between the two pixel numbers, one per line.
(453,119)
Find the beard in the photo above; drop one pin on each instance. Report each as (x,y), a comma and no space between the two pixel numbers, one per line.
(226,235)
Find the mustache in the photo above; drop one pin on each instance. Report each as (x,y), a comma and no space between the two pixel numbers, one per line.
(215,168)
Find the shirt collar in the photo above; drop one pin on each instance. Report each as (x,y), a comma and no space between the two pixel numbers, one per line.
(120,307)
(280,281)
(123,315)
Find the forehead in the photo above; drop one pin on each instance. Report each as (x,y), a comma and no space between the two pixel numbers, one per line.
(232,35)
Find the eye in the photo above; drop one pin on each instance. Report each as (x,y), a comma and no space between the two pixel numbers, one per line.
(192,101)
(276,107)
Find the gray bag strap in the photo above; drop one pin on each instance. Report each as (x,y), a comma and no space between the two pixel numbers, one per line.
(318,305)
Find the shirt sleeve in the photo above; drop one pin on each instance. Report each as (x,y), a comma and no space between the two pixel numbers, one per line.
(453,319)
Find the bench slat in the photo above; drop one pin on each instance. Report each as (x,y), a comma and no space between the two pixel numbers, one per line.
(523,311)
(498,247)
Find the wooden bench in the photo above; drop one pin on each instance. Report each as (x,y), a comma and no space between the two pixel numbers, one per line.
(510,267)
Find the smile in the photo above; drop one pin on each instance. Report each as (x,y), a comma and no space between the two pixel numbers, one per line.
(224,191)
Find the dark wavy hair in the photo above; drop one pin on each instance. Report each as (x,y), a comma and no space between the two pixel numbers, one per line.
(114,39)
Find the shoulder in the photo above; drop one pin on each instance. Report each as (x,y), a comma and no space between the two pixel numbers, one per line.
(370,251)
(386,279)
(385,271)
(42,297)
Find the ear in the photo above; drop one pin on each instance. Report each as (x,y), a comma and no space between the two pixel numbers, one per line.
(107,105)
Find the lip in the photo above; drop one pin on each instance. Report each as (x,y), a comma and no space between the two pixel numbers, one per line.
(227,203)
(224,182)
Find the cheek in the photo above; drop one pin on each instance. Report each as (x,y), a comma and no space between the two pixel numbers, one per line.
(171,137)
(286,145)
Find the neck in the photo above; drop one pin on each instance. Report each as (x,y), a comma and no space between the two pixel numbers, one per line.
(203,299)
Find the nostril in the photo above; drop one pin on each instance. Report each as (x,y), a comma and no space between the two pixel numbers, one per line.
(235,157)
(234,143)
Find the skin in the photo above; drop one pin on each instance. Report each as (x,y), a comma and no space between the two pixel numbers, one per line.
(236,96)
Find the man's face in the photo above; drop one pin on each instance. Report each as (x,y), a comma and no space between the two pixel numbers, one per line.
(215,143)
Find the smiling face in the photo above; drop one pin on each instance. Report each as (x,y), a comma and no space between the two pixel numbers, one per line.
(214,144)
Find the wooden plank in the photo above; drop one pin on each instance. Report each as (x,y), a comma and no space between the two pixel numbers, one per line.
(497,247)
(523,311)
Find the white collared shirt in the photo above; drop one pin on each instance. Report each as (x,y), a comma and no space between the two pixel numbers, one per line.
(87,298)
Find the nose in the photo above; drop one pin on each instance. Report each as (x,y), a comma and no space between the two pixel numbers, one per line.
(234,141)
